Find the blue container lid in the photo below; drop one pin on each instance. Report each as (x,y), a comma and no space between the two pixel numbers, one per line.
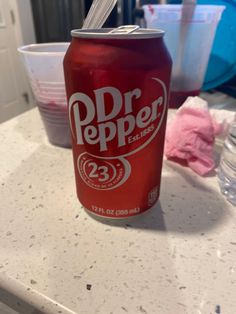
(222,62)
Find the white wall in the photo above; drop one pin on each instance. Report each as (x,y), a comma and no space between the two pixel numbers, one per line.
(24,26)
(26,21)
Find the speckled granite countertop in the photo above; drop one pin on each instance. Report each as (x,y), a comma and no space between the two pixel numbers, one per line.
(178,258)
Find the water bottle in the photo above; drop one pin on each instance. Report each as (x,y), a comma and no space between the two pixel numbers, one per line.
(227,168)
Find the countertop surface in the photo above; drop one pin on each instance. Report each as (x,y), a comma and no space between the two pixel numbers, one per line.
(179,257)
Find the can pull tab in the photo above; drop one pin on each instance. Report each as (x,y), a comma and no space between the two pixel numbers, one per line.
(125,29)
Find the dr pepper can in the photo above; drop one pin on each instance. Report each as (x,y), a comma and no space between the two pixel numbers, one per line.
(117,84)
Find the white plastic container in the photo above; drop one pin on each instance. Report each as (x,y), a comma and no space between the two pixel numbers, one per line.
(227,168)
(44,66)
(189,34)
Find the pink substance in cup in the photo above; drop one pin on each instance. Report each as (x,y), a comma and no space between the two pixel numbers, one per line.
(56,123)
(177,98)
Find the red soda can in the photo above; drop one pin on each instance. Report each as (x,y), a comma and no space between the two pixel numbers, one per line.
(117,84)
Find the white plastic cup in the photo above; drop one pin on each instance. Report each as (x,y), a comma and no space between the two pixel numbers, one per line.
(44,66)
(189,34)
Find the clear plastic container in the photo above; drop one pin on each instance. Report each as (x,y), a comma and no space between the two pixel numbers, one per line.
(227,169)
(189,34)
(44,66)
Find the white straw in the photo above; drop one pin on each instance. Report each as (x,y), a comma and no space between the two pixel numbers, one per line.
(98,13)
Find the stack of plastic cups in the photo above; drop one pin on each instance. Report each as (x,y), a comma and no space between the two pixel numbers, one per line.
(44,66)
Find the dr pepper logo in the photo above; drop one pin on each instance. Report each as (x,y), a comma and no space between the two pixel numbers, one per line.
(112,123)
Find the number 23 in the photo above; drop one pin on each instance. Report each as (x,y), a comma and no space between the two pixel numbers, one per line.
(100,172)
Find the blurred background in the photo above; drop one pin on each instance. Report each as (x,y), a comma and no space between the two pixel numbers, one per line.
(37,21)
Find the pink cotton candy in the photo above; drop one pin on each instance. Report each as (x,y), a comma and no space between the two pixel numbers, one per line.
(190,138)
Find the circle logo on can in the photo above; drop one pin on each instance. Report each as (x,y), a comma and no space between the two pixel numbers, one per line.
(113,123)
(103,174)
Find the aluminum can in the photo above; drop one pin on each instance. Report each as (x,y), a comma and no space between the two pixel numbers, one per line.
(117,85)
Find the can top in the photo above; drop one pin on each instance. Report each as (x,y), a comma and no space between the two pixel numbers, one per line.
(122,32)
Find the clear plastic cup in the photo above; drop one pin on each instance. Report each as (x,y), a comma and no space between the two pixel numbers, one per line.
(44,66)
(189,34)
